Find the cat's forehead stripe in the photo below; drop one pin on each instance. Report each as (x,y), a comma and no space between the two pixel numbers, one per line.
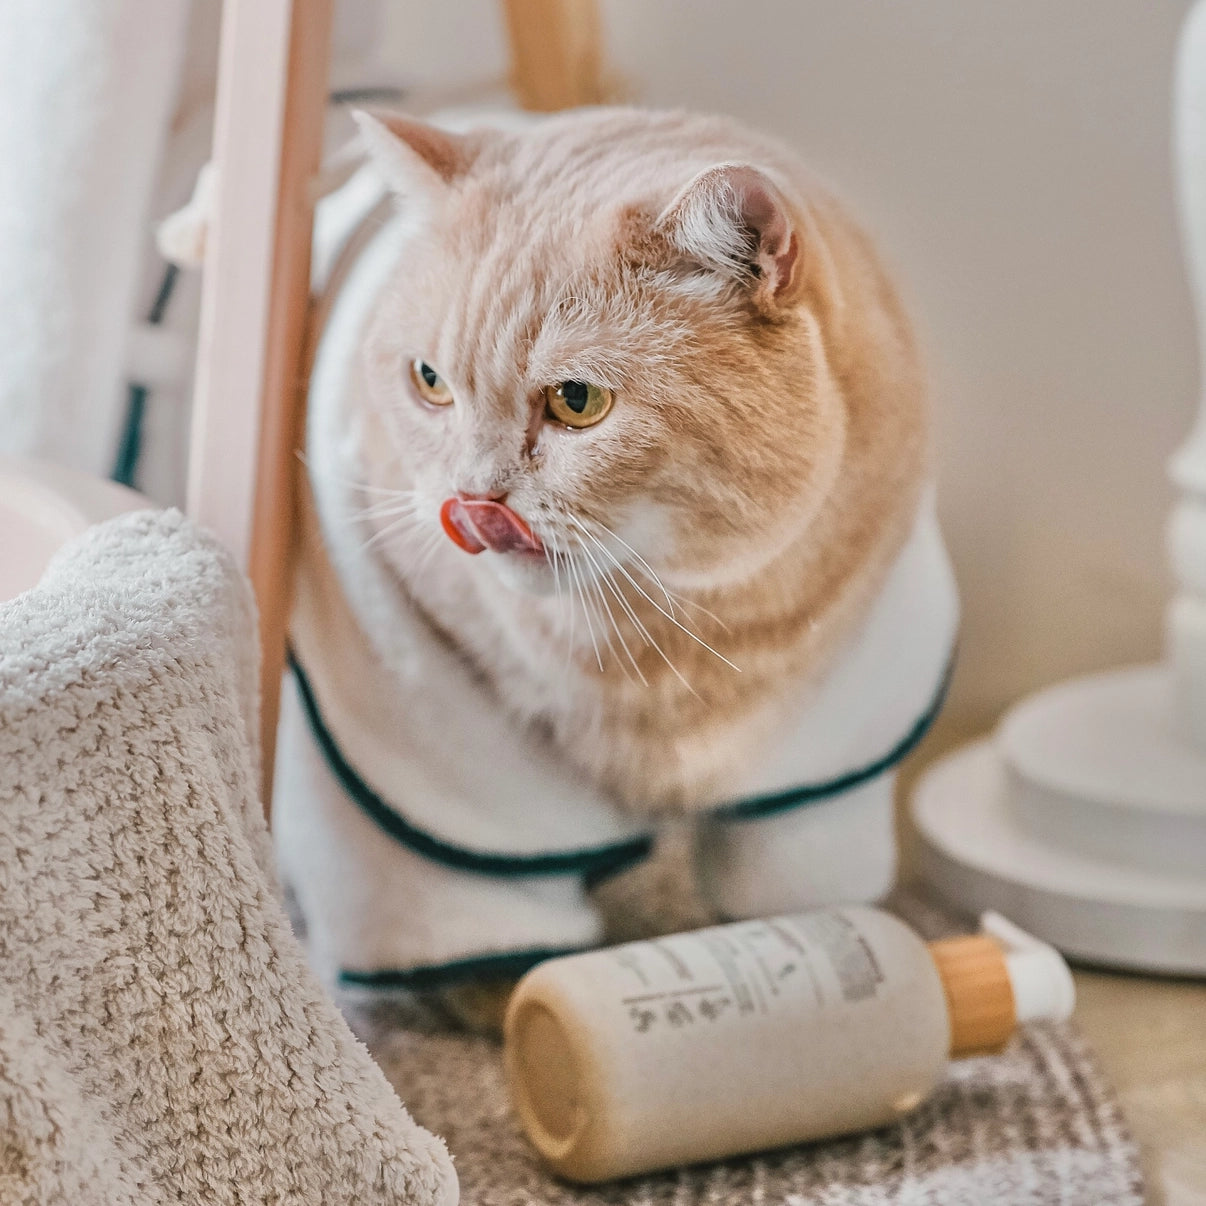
(489,325)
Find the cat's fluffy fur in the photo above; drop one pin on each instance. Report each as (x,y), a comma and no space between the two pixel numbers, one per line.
(762,461)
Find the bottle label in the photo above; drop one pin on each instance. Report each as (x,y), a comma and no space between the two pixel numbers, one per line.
(746,970)
(853,961)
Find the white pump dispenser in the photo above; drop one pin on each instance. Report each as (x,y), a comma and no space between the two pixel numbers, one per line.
(1042,984)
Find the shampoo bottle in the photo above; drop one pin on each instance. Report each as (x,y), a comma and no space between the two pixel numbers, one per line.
(756,1035)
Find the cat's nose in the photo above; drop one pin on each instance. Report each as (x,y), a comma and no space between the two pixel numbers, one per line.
(489,496)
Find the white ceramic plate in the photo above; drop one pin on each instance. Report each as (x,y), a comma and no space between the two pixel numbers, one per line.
(977,855)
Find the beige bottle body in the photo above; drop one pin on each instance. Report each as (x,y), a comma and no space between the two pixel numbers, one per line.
(724,1041)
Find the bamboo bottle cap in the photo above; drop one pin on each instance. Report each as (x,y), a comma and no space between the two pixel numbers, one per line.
(998,979)
(979,996)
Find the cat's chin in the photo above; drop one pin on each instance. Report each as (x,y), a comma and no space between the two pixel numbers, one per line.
(528,573)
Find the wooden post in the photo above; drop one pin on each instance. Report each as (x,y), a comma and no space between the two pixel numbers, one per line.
(272,85)
(1187,530)
(556,54)
(1085,816)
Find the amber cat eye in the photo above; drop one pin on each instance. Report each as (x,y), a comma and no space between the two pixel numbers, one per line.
(577,403)
(431,386)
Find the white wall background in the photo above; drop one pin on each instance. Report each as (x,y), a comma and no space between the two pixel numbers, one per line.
(1013,160)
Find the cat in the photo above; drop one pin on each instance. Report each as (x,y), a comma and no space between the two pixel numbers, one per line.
(618,476)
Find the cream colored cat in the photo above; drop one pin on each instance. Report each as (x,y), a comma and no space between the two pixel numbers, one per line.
(655,379)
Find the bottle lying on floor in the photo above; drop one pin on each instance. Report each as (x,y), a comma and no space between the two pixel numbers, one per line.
(757,1035)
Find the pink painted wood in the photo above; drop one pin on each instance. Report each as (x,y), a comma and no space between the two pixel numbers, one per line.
(267,144)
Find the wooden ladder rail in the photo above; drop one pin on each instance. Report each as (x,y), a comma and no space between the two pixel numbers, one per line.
(268,128)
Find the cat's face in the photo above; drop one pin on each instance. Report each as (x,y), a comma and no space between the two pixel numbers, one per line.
(599,353)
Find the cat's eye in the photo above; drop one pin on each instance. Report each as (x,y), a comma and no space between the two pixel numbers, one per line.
(431,386)
(577,403)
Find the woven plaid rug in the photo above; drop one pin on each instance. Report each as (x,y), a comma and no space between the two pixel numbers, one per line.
(1035,1126)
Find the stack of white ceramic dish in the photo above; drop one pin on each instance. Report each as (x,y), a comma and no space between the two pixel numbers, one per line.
(1083,818)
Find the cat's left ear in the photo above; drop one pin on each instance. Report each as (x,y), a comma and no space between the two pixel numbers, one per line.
(734,220)
(415,159)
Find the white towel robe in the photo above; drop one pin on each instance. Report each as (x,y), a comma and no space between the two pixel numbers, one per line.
(499,834)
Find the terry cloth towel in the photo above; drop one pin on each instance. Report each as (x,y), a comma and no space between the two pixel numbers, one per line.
(161,1037)
(405,792)
(1034,1126)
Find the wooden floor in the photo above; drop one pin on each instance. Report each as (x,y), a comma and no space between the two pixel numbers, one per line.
(1149,1033)
(1150,1039)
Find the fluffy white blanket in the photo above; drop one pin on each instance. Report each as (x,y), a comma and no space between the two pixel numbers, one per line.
(161,1037)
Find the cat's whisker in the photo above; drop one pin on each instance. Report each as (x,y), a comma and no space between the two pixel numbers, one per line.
(555,561)
(557,555)
(390,529)
(366,488)
(572,592)
(644,568)
(592,597)
(316,474)
(598,590)
(378,515)
(399,507)
(645,594)
(585,612)
(428,552)
(591,615)
(603,573)
(590,594)
(402,500)
(555,566)
(569,654)
(598,523)
(554,555)
(686,603)
(399,499)
(604,608)
(608,580)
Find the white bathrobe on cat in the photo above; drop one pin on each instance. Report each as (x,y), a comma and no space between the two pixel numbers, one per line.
(430,841)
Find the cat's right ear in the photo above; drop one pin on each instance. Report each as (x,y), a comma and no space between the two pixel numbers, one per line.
(735,220)
(416,160)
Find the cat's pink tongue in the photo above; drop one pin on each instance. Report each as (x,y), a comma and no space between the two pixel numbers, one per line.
(477,524)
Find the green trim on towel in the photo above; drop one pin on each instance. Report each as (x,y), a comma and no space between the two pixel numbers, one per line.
(597,862)
(505,965)
(810,793)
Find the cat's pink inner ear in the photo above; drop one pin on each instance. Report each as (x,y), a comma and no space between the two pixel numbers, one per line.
(733,219)
(445,153)
(412,153)
(765,215)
